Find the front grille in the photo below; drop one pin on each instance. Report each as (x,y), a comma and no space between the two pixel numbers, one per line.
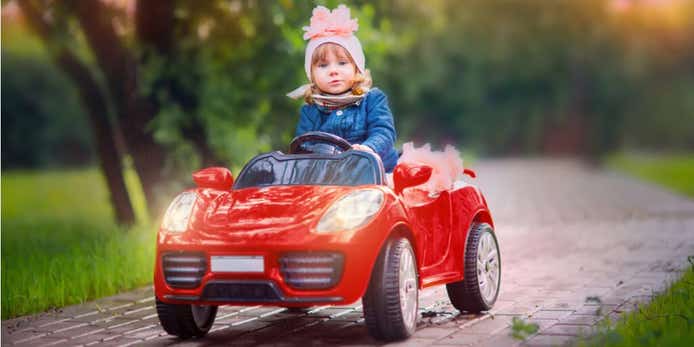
(240,292)
(311,270)
(184,270)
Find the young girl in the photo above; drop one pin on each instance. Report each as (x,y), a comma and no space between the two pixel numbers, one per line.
(339,99)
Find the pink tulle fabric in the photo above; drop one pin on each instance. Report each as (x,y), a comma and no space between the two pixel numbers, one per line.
(325,23)
(447,165)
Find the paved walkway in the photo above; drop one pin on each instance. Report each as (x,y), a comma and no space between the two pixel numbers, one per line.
(567,233)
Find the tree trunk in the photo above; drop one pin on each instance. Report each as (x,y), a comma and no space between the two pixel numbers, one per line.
(97,113)
(571,135)
(154,24)
(135,112)
(109,157)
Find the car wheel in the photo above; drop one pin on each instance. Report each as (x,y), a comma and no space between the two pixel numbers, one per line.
(391,301)
(186,321)
(480,287)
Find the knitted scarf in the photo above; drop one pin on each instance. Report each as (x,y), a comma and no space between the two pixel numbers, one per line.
(330,101)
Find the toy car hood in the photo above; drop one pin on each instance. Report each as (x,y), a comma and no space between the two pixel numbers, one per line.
(265,212)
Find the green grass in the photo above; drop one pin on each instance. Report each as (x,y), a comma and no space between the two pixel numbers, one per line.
(668,320)
(60,245)
(674,171)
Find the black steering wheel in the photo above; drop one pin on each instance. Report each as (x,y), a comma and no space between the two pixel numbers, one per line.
(322,143)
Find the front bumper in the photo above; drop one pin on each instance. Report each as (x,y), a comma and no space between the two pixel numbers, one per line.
(274,285)
(240,292)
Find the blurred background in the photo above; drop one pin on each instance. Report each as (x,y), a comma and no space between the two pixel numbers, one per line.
(109,105)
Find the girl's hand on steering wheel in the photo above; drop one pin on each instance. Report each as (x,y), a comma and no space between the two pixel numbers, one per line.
(360,147)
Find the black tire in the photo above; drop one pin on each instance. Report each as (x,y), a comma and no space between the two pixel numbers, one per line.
(383,311)
(467,295)
(179,320)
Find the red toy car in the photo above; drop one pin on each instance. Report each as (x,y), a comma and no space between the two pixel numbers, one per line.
(319,226)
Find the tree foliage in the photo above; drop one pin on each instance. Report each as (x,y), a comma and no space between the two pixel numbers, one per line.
(47,127)
(193,84)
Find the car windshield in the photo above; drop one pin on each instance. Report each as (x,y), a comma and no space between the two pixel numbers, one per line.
(351,168)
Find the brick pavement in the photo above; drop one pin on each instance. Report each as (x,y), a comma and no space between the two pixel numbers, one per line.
(577,244)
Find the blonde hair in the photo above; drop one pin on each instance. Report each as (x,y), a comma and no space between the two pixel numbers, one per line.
(361,80)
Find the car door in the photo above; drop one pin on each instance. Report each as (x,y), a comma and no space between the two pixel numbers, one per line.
(431,218)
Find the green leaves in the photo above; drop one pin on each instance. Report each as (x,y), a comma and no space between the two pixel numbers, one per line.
(502,76)
(521,330)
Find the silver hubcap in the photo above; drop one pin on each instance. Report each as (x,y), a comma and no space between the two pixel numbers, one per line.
(201,314)
(488,267)
(408,288)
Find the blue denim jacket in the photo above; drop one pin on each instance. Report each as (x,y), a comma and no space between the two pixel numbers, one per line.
(369,123)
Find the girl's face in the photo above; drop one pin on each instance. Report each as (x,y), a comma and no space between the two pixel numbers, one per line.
(334,72)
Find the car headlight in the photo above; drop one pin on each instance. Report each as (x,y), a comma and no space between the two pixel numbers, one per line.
(178,213)
(351,211)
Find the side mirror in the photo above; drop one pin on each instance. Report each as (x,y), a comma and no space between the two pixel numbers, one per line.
(409,175)
(214,177)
